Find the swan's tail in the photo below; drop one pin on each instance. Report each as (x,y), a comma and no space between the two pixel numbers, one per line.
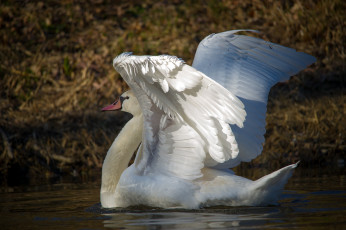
(268,188)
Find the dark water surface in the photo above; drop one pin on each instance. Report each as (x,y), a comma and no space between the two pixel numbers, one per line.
(311,201)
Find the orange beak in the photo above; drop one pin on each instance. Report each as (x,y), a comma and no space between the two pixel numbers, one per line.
(115,106)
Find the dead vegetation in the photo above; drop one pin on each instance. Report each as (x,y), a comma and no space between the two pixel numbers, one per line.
(56,73)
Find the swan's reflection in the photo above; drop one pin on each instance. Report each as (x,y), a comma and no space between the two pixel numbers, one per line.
(199,219)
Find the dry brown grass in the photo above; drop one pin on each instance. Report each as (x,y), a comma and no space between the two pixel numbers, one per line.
(56,72)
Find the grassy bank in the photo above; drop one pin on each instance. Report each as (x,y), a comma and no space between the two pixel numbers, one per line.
(56,73)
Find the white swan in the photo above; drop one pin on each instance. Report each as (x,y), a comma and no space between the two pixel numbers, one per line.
(190,129)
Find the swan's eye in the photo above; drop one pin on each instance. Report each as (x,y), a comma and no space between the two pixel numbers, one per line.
(123,98)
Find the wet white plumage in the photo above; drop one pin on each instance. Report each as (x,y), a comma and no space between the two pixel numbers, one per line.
(192,128)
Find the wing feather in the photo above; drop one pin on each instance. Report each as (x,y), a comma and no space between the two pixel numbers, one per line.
(248,67)
(186,115)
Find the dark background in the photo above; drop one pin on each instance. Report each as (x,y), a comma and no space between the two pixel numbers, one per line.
(56,73)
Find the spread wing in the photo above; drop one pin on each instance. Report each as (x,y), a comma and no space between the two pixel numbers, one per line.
(186,115)
(248,67)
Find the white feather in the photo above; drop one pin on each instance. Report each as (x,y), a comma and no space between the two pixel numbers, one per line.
(188,94)
(248,67)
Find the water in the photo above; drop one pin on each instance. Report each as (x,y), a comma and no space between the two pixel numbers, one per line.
(311,200)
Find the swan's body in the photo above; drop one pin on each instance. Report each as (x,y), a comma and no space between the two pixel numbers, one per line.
(190,129)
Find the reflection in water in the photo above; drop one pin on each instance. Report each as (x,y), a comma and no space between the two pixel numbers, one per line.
(310,201)
(173,220)
(184,220)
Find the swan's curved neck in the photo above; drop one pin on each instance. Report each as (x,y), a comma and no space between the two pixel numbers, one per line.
(120,153)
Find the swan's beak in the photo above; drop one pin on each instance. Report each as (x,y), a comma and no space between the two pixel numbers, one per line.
(115,106)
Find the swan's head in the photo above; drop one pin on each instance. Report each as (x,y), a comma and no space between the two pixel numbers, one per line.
(127,102)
